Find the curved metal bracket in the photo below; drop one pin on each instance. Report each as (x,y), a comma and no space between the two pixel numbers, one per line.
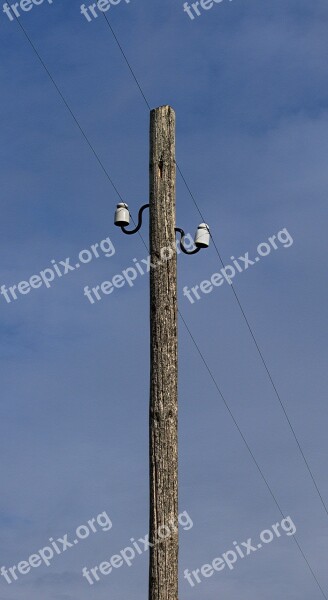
(184,250)
(131,231)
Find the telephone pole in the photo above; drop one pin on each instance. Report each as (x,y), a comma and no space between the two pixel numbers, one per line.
(163,416)
(163,409)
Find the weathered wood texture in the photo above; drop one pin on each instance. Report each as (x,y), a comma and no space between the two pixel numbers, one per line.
(163,571)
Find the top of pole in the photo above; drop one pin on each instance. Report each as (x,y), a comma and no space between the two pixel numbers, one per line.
(164,107)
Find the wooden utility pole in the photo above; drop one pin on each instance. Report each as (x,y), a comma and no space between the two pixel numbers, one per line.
(163,418)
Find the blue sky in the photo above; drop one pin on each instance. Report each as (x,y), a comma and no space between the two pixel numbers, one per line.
(248,83)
